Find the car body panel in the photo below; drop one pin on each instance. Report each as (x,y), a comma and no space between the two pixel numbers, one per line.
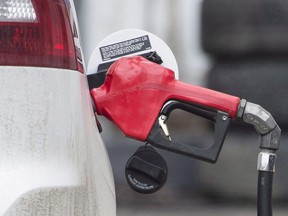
(52,158)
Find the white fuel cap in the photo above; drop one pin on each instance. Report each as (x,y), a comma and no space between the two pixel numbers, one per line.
(130,42)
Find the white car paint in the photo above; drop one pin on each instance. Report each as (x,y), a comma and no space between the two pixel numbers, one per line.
(52,158)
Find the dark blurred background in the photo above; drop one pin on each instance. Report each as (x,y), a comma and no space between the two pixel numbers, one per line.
(236,47)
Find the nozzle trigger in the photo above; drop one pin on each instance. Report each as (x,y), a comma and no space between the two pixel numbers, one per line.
(159,135)
(162,122)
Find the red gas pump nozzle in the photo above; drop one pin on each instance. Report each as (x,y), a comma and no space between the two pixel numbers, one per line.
(138,96)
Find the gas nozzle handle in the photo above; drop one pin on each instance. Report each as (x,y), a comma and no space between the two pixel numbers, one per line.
(158,138)
(135,90)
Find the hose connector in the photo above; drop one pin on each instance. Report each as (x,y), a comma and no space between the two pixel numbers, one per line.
(263,122)
(266,161)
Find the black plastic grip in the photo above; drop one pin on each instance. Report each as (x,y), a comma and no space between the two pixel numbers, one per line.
(221,120)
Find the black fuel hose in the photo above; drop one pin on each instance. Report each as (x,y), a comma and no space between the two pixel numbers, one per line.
(265,182)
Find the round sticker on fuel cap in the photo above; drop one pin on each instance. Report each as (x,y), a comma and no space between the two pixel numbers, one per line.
(130,42)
